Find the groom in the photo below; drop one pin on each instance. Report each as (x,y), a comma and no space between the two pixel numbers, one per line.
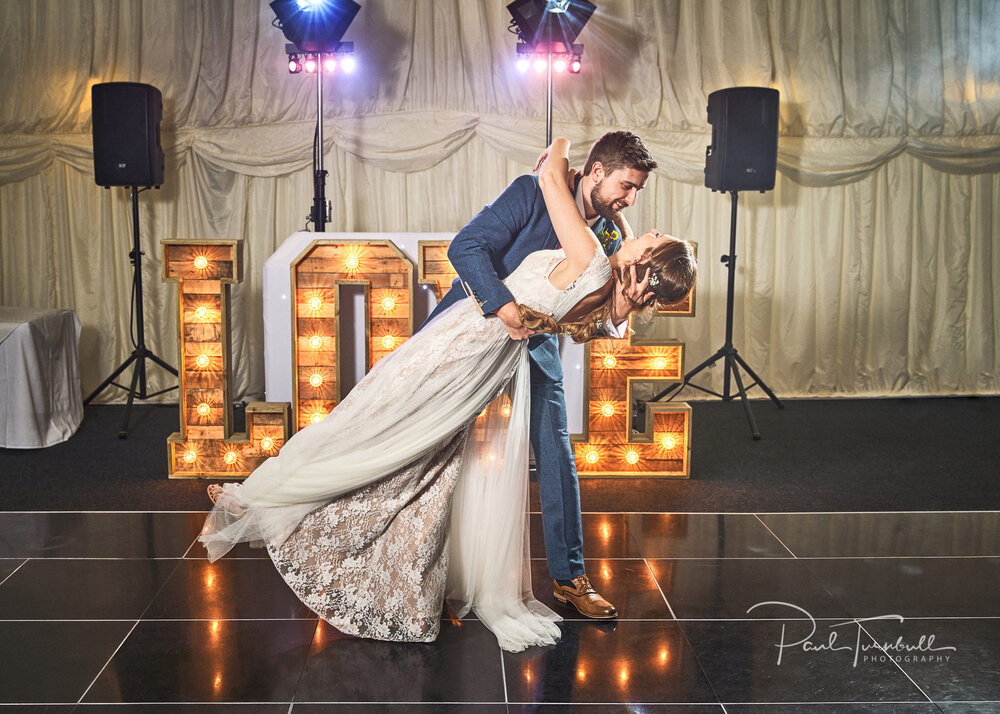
(485,252)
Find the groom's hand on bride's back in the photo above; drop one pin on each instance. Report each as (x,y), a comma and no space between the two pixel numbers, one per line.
(511,319)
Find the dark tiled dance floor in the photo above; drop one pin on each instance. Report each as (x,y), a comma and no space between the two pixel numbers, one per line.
(734,612)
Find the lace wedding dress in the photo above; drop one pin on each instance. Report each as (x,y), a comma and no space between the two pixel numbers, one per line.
(407,493)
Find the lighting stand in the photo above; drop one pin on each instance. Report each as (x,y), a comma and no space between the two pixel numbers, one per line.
(733,362)
(319,214)
(548,100)
(141,353)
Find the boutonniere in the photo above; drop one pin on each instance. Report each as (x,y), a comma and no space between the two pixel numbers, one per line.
(609,236)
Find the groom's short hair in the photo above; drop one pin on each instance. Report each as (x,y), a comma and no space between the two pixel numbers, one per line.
(619,150)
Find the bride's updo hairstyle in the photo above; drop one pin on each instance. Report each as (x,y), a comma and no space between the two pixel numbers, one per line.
(673,271)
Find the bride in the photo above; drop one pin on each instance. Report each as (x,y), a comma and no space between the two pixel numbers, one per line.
(414,488)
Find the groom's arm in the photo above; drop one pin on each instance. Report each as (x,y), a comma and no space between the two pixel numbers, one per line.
(491,234)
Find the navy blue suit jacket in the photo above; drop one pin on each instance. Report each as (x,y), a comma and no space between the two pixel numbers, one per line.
(494,243)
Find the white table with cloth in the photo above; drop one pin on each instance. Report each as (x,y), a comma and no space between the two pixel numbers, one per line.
(40,398)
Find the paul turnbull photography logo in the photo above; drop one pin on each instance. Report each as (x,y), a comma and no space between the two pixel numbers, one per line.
(842,637)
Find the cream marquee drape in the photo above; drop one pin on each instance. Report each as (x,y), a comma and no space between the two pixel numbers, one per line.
(871,269)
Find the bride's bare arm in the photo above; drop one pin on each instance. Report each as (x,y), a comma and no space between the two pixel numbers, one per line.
(576,238)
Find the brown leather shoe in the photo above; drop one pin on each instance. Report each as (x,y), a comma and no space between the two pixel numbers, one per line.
(584,598)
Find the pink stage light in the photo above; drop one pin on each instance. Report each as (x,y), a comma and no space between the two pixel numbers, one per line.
(347,64)
(310,65)
(329,64)
(540,65)
(294,66)
(522,65)
(575,66)
(559,65)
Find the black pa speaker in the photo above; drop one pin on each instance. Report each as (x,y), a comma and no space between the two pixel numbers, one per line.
(744,151)
(126,123)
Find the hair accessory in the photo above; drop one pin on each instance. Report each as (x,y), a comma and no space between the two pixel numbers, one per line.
(654,279)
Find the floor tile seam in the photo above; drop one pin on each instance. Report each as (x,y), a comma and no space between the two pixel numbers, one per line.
(596,557)
(11,573)
(775,535)
(103,558)
(932,618)
(538,513)
(769,513)
(503,677)
(97,512)
(366,701)
(851,702)
(305,662)
(684,634)
(83,706)
(105,665)
(898,665)
(635,557)
(659,588)
(808,557)
(625,702)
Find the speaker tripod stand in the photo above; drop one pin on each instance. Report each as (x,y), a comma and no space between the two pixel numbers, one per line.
(732,362)
(137,389)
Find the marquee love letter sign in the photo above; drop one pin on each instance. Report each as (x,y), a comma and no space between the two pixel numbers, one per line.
(205,446)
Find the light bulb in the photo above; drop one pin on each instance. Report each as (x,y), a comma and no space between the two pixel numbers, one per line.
(191,456)
(315,303)
(352,262)
(201,313)
(315,342)
(267,443)
(316,380)
(388,342)
(230,457)
(608,410)
(592,457)
(659,363)
(668,442)
(318,417)
(203,361)
(388,304)
(201,262)
(632,457)
(610,361)
(204,409)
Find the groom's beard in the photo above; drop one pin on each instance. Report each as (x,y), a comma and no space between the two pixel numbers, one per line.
(605,208)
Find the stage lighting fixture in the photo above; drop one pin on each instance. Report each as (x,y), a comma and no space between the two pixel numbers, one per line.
(523,64)
(546,30)
(550,21)
(314,29)
(314,25)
